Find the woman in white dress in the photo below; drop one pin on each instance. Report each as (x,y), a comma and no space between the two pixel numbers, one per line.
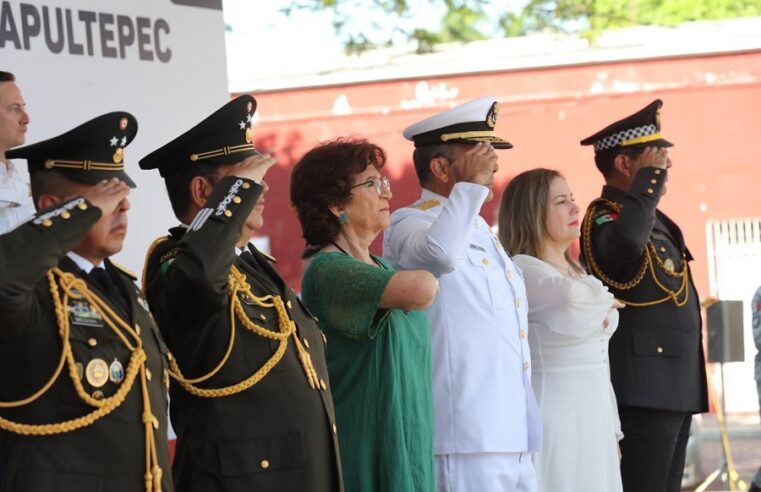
(571,318)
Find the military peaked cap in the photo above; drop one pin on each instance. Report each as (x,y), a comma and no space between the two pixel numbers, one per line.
(469,123)
(225,137)
(89,153)
(643,128)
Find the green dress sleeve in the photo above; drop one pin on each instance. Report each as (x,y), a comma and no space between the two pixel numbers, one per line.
(347,292)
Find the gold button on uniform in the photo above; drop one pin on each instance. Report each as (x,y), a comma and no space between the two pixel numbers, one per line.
(264,318)
(517,302)
(92,342)
(657,172)
(509,274)
(47,223)
(228,213)
(306,342)
(245,185)
(289,304)
(236,199)
(65,214)
(137,329)
(525,366)
(97,394)
(523,333)
(264,464)
(650,190)
(82,206)
(663,249)
(653,181)
(659,350)
(485,261)
(335,429)
(148,375)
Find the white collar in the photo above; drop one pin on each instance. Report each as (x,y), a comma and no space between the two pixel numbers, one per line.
(430,195)
(82,263)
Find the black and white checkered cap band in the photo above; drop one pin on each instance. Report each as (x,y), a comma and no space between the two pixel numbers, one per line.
(616,139)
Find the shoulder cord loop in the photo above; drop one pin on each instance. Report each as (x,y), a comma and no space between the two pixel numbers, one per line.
(76,288)
(649,260)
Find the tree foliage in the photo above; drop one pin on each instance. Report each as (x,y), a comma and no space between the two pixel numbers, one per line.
(382,21)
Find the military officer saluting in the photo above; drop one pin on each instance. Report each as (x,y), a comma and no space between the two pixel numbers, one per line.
(83,399)
(486,416)
(251,401)
(656,356)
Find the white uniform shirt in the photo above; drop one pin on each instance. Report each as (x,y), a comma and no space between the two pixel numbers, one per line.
(483,402)
(15,202)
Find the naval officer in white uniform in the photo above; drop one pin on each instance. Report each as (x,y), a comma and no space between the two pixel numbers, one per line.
(486,416)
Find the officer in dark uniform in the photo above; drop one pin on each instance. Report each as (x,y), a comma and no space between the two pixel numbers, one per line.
(251,403)
(83,394)
(656,356)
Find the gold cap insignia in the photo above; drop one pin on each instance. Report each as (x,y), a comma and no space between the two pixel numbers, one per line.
(491,118)
(118,155)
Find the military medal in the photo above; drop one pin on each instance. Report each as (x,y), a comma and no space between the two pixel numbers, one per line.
(668,265)
(116,372)
(96,373)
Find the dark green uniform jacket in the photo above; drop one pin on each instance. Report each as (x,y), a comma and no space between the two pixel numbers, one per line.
(656,356)
(110,454)
(278,434)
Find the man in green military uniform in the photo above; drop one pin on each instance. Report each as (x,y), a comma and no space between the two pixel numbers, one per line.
(251,402)
(83,394)
(656,356)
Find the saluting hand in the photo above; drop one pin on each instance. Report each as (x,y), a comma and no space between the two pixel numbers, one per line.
(477,165)
(108,194)
(254,167)
(655,157)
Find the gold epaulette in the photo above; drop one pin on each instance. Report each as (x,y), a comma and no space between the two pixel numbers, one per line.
(126,271)
(426,205)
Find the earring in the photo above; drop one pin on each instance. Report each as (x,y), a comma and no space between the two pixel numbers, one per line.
(343,218)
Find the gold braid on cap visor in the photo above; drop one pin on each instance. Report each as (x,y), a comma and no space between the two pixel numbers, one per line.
(84,165)
(226,150)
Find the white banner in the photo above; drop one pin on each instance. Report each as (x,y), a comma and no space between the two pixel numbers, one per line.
(161,60)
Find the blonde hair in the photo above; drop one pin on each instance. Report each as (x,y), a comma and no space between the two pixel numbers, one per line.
(523,214)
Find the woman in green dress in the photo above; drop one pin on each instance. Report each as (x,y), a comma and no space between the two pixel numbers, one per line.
(378,339)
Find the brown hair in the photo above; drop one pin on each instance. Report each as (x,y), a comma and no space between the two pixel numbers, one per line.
(323,178)
(523,213)
(7,77)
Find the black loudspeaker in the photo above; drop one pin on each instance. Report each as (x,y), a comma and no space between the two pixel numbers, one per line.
(725,332)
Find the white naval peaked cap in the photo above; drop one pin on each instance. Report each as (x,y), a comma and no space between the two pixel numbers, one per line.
(470,123)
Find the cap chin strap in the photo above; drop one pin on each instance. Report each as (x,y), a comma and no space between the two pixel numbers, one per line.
(445,137)
(226,150)
(84,165)
(639,140)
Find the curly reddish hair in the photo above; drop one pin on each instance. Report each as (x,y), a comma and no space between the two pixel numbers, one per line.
(323,178)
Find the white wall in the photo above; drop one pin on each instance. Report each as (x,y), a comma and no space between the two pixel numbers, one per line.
(83,80)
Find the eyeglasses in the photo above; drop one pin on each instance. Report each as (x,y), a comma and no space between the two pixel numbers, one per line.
(379,184)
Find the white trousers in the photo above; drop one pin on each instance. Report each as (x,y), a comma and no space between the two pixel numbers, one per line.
(485,472)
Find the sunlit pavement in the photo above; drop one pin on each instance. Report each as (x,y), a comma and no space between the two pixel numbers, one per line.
(745,443)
